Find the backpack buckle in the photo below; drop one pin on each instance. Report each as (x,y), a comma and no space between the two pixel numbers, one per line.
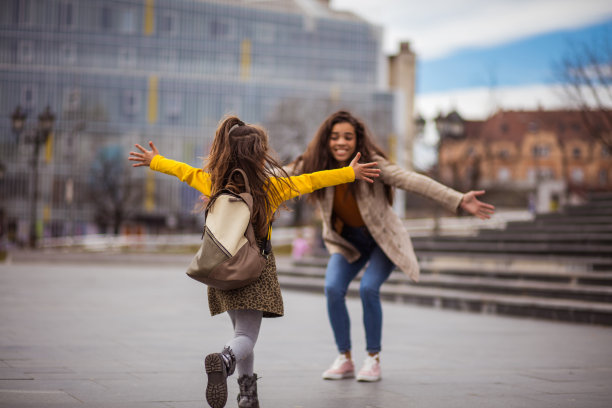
(265,254)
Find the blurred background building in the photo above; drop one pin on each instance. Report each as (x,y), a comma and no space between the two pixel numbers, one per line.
(538,159)
(82,81)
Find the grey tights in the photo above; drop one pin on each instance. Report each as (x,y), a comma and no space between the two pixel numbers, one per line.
(246,329)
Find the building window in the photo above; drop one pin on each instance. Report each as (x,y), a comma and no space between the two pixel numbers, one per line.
(131,103)
(168,59)
(127,20)
(168,23)
(68,53)
(576,152)
(67,14)
(24,12)
(127,57)
(28,97)
(603,177)
(173,105)
(72,99)
(546,173)
(605,152)
(577,175)
(503,154)
(220,29)
(265,33)
(540,151)
(539,174)
(503,174)
(106,18)
(25,52)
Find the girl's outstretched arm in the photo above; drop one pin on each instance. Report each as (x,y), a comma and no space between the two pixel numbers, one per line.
(195,177)
(144,158)
(477,208)
(364,171)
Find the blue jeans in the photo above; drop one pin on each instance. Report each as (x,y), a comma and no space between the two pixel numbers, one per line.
(337,278)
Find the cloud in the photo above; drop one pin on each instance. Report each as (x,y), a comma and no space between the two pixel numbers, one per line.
(439,27)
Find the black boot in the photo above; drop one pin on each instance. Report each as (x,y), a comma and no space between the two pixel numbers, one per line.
(248,391)
(218,366)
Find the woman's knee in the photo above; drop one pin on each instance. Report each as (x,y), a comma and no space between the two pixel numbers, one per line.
(334,291)
(369,292)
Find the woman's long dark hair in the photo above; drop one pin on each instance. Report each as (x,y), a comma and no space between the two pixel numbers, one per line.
(318,155)
(245,146)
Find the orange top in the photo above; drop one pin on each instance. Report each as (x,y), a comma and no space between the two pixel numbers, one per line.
(345,207)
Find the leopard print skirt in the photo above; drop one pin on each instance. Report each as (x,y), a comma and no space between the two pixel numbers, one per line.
(264,295)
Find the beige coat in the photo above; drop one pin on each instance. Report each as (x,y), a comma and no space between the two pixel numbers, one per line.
(382,222)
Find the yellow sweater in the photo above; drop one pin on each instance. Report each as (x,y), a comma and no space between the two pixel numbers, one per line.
(305,183)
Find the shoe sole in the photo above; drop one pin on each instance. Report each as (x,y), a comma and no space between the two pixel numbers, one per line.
(368,379)
(216,389)
(338,376)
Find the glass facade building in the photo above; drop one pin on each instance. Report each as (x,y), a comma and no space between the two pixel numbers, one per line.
(119,72)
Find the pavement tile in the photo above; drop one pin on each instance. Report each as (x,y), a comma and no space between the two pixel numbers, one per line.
(10,398)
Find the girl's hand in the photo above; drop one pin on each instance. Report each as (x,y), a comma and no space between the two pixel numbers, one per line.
(477,208)
(144,158)
(363,171)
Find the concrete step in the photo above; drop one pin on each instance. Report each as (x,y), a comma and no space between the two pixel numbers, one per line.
(496,261)
(602,196)
(565,270)
(524,237)
(599,209)
(550,309)
(523,261)
(508,274)
(482,283)
(563,219)
(423,246)
(535,227)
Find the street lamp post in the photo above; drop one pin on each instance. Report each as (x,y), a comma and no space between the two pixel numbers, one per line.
(37,137)
(449,127)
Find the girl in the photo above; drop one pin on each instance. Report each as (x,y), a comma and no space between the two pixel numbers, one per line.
(360,227)
(245,146)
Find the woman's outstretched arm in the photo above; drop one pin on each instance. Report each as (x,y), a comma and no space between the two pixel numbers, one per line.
(474,206)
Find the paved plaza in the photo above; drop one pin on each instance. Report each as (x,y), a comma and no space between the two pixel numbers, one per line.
(132,331)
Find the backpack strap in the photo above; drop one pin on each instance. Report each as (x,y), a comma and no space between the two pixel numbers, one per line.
(265,248)
(247,186)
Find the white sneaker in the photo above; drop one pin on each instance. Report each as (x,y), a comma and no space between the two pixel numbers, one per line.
(342,368)
(370,371)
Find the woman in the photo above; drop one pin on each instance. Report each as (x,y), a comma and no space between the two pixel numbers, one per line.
(360,229)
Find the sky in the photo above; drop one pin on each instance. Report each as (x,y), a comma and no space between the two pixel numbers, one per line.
(477,56)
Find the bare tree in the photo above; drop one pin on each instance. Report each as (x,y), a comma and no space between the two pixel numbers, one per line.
(288,127)
(113,191)
(585,72)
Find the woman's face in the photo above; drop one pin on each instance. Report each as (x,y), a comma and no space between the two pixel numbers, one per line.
(342,142)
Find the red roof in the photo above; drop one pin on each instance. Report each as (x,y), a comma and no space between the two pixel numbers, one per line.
(514,125)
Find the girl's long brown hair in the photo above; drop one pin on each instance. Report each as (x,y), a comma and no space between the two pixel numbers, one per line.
(245,146)
(318,155)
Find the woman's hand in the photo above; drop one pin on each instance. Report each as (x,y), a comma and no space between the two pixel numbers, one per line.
(363,171)
(144,158)
(477,208)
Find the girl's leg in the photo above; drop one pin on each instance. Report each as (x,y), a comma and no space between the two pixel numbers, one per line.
(338,275)
(246,330)
(377,272)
